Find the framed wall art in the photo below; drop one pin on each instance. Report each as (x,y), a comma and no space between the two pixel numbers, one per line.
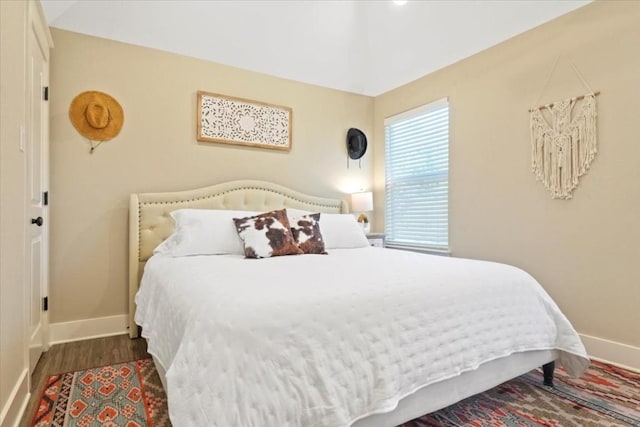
(240,121)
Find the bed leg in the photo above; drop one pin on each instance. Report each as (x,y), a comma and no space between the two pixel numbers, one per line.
(547,371)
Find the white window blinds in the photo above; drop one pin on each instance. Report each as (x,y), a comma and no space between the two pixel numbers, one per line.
(417,178)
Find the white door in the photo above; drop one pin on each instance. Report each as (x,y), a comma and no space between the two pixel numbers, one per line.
(37,181)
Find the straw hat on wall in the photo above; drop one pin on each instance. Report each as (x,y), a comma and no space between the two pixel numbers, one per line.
(96,115)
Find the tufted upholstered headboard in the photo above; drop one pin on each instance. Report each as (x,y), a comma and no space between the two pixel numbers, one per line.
(150,222)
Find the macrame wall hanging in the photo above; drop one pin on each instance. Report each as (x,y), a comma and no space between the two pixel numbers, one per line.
(563,139)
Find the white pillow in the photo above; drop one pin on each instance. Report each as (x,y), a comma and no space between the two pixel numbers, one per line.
(342,231)
(294,213)
(203,232)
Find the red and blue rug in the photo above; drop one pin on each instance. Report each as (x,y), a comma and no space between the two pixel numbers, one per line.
(127,394)
(605,396)
(131,395)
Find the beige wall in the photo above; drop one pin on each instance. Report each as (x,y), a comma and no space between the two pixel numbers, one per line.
(584,251)
(157,151)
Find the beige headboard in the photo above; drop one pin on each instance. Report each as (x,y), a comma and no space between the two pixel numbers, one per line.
(150,222)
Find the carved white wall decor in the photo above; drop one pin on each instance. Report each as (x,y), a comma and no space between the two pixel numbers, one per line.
(243,122)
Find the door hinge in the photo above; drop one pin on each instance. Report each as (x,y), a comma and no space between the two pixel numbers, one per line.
(45,304)
(45,198)
(46,93)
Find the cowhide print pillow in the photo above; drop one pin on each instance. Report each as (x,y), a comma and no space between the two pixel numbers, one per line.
(267,235)
(306,233)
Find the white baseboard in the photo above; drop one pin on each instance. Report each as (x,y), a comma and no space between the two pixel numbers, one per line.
(78,330)
(615,353)
(17,403)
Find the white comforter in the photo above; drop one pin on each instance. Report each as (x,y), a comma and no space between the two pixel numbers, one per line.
(324,340)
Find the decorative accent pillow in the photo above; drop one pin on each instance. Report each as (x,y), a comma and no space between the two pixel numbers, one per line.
(203,232)
(341,231)
(306,233)
(267,235)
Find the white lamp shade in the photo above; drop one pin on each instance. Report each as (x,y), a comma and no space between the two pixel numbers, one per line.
(362,202)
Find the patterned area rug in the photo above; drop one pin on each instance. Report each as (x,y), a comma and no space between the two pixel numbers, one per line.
(127,394)
(604,396)
(131,395)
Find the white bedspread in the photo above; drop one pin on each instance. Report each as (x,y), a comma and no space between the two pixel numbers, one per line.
(324,340)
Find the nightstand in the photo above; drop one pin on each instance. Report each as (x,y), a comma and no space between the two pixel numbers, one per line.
(376,239)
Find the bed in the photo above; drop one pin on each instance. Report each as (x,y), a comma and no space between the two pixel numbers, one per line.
(362,336)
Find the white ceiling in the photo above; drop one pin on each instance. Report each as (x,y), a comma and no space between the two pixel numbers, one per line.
(361,46)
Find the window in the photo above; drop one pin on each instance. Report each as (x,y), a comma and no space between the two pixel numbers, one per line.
(417,178)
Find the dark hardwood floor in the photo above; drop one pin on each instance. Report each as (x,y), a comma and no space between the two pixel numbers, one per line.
(81,355)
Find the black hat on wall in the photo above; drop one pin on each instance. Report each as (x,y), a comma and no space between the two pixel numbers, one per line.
(356,143)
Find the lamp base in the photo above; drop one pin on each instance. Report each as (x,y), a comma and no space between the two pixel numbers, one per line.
(364,222)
